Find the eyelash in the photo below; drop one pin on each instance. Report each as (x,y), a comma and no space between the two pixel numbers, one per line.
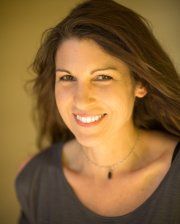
(65,80)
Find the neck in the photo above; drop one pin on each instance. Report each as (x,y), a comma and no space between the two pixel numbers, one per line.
(115,150)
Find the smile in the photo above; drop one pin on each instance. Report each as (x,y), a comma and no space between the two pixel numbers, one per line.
(88,120)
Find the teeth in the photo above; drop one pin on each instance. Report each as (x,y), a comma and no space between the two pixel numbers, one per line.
(88,119)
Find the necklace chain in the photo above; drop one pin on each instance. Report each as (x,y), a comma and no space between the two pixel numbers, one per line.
(111,167)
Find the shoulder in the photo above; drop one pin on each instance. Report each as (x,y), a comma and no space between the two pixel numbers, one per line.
(160,143)
(39,161)
(157,149)
(165,152)
(35,169)
(32,179)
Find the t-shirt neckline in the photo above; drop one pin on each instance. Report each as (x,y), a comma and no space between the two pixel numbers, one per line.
(129,215)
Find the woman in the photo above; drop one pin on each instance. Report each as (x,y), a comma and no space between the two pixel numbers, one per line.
(108,99)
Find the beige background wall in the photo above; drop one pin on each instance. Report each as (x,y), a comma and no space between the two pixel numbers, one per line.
(21,25)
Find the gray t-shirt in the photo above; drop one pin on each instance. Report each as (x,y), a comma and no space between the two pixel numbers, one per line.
(46,197)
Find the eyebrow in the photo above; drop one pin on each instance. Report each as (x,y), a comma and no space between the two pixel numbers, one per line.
(93,71)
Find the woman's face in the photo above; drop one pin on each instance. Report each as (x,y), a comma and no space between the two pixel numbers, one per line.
(94,91)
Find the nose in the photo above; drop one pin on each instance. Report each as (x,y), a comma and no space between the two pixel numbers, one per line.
(83,96)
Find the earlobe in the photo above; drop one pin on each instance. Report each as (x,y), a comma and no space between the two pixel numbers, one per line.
(140,91)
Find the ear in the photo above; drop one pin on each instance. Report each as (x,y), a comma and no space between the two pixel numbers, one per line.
(140,90)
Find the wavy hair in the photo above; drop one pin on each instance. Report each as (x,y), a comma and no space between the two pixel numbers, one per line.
(122,33)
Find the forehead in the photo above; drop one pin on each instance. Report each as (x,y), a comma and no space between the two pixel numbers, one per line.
(81,47)
(85,53)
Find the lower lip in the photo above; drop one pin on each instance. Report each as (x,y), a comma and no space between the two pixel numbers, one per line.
(89,124)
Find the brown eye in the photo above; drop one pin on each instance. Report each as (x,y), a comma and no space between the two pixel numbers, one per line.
(67,78)
(103,78)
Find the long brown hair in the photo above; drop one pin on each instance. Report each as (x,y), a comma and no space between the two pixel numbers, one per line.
(126,35)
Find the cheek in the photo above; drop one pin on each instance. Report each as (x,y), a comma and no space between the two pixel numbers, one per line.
(120,99)
(61,99)
(62,96)
(62,102)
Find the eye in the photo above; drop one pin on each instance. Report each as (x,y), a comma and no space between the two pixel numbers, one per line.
(66,78)
(103,78)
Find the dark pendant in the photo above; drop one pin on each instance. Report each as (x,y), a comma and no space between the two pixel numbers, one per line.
(110,174)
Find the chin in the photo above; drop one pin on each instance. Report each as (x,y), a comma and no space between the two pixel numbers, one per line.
(88,140)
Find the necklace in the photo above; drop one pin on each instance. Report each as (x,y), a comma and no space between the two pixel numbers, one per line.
(113,166)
